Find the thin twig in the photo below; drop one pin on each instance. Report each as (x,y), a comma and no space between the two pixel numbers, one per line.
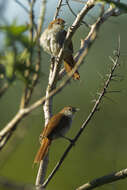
(35,77)
(67,2)
(41,19)
(93,111)
(22,5)
(58,9)
(27,92)
(104,180)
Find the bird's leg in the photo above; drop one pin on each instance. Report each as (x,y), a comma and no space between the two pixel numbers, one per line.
(52,59)
(52,62)
(70,140)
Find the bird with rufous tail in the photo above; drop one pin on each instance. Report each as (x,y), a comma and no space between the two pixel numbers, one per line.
(57,127)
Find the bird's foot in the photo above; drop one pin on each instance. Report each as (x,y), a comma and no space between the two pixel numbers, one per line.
(70,140)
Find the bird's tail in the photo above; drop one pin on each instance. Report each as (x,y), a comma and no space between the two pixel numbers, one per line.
(69,65)
(42,150)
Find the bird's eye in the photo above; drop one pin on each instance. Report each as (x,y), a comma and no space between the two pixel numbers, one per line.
(70,109)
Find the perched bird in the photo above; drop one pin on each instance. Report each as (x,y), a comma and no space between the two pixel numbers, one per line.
(52,40)
(57,127)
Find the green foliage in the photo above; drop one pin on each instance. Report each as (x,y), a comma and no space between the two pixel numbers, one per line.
(9,62)
(14,34)
(16,53)
(15,65)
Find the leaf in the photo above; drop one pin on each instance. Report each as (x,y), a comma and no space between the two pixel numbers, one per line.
(10,65)
(14,34)
(14,30)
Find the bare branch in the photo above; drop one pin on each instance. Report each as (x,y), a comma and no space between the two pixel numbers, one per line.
(41,18)
(104,180)
(21,4)
(67,1)
(58,9)
(47,114)
(27,92)
(41,173)
(35,77)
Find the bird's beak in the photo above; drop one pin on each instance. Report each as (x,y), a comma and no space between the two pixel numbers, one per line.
(76,109)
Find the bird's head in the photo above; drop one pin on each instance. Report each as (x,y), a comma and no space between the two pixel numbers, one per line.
(57,24)
(69,111)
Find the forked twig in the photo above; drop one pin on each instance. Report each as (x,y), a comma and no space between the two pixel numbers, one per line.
(71,10)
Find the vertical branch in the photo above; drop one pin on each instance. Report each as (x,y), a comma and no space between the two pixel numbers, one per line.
(41,18)
(47,106)
(35,77)
(25,99)
(47,114)
(41,173)
(31,17)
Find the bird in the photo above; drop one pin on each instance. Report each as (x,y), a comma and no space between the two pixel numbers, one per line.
(57,127)
(52,40)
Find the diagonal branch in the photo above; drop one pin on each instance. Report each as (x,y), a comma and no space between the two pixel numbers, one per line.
(93,111)
(22,5)
(71,10)
(26,93)
(58,9)
(104,180)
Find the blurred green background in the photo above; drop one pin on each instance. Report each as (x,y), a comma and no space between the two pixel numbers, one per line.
(101,149)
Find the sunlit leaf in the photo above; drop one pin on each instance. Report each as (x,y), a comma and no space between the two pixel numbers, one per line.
(15,30)
(15,33)
(10,65)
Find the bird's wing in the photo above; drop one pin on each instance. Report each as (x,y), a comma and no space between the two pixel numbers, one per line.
(60,39)
(52,124)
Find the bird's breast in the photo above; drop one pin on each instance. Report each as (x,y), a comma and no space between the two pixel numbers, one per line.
(50,43)
(62,128)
